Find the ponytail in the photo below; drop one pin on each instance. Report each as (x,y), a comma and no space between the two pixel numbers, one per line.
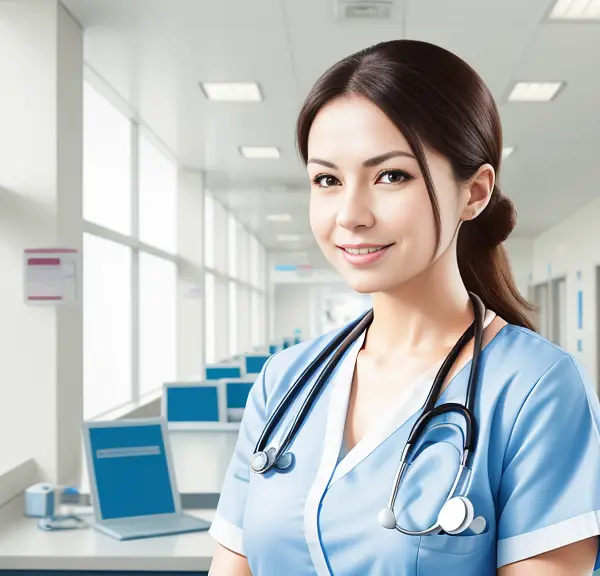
(483,261)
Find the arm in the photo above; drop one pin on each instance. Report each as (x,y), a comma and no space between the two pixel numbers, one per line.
(228,563)
(573,560)
(549,494)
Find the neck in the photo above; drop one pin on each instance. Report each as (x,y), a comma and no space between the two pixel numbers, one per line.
(430,311)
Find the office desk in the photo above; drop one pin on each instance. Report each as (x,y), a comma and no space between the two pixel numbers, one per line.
(200,458)
(24,547)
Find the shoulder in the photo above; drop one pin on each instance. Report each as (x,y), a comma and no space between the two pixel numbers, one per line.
(524,365)
(284,367)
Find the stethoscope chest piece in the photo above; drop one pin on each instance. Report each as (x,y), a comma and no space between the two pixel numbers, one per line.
(387,519)
(456,515)
(260,461)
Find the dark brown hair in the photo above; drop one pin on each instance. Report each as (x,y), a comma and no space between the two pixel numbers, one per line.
(437,101)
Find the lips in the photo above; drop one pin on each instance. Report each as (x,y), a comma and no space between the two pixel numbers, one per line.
(363,254)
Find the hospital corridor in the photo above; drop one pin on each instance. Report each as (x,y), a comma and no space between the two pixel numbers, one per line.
(222,329)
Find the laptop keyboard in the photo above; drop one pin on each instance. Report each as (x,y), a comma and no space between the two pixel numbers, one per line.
(128,527)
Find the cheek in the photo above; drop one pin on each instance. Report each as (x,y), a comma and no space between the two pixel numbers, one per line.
(322,221)
(411,219)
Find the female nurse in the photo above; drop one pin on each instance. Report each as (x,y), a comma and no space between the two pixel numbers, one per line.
(402,143)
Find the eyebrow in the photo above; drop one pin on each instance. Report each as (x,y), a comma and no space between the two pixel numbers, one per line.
(367,163)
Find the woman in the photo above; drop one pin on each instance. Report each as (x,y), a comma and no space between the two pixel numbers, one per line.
(402,143)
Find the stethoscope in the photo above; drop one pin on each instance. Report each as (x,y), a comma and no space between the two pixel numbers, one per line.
(457,513)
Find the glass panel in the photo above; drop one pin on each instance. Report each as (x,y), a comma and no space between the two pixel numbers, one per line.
(106,163)
(158,322)
(232,246)
(158,198)
(209,314)
(220,238)
(233,319)
(209,231)
(106,325)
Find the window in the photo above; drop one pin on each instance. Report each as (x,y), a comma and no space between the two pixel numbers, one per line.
(232,246)
(221,307)
(255,263)
(209,314)
(233,319)
(258,319)
(115,263)
(243,251)
(244,320)
(107,357)
(106,164)
(209,231)
(220,238)
(158,322)
(158,198)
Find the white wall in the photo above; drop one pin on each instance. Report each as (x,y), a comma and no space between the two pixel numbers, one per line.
(573,246)
(40,206)
(520,255)
(291,309)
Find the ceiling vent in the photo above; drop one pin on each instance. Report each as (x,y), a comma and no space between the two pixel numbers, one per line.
(364,9)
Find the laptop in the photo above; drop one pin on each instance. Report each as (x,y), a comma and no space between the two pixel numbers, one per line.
(132,480)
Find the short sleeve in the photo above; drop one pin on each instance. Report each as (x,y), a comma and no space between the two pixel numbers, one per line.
(226,527)
(549,493)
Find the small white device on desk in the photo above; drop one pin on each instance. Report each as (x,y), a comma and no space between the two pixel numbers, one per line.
(133,487)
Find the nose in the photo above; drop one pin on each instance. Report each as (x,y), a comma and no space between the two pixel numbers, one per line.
(355,208)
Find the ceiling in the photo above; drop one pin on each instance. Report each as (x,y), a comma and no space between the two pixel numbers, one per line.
(153,53)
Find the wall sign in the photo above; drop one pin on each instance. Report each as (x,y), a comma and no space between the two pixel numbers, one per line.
(52,276)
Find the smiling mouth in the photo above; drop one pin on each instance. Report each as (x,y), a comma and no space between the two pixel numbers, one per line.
(358,250)
(363,250)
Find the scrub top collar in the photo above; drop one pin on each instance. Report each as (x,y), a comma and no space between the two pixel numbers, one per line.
(409,401)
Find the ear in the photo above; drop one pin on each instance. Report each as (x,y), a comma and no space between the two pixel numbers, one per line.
(478,191)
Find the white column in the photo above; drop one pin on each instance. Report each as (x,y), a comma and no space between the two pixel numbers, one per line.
(41,63)
(190,310)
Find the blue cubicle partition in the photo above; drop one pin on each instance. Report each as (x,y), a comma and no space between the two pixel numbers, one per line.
(236,392)
(253,363)
(194,402)
(220,371)
(273,349)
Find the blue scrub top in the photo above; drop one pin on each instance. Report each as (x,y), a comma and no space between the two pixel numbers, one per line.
(535,475)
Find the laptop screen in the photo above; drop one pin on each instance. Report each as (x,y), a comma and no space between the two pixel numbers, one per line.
(132,475)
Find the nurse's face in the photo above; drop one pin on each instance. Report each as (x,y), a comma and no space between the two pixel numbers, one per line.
(368,195)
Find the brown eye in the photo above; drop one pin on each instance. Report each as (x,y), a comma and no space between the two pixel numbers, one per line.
(393,177)
(325,180)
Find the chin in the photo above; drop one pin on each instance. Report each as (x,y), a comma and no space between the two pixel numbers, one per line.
(368,283)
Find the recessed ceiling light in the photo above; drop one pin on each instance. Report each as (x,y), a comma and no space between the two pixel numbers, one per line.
(506,152)
(535,91)
(279,217)
(289,238)
(254,152)
(576,10)
(232,91)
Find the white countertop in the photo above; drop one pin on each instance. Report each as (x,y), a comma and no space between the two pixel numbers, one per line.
(23,546)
